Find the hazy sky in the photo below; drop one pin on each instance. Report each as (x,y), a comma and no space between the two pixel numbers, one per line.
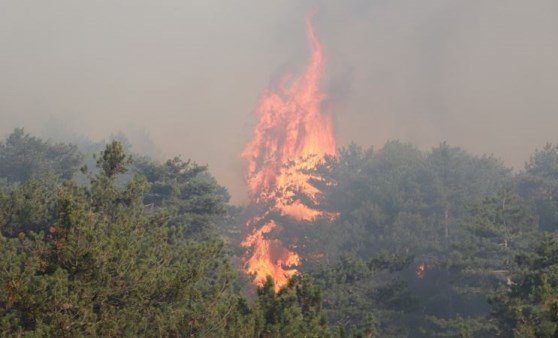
(478,74)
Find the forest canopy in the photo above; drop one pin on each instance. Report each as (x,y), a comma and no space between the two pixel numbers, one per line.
(442,243)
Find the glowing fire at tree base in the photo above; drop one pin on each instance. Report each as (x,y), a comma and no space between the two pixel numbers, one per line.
(270,257)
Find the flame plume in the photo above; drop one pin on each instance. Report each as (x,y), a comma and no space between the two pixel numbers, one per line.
(292,137)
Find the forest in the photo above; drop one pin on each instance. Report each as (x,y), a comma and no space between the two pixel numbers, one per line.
(97,240)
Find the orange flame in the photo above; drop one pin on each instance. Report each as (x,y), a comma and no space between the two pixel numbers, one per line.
(291,138)
(270,257)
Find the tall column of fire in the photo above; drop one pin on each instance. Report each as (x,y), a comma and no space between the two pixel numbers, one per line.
(292,136)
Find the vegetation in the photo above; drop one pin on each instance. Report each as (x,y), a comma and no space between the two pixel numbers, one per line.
(427,244)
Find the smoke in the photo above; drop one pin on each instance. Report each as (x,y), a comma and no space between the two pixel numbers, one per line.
(476,74)
(188,74)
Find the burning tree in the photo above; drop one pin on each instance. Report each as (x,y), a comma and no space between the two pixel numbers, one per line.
(291,138)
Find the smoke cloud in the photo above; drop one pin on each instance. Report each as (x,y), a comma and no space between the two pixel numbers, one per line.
(188,74)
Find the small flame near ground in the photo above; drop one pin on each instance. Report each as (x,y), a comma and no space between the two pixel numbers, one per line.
(292,137)
(421,270)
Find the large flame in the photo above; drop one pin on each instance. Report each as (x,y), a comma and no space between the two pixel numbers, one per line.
(292,137)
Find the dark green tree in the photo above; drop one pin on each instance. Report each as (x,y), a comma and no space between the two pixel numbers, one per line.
(527,306)
(482,260)
(406,202)
(295,311)
(29,206)
(366,298)
(107,267)
(186,190)
(539,184)
(23,156)
(113,160)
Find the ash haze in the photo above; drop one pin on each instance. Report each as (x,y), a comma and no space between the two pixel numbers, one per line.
(188,74)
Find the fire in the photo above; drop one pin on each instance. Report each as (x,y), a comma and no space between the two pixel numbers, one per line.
(421,270)
(291,138)
(269,257)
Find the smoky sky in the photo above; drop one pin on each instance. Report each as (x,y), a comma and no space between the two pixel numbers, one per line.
(478,74)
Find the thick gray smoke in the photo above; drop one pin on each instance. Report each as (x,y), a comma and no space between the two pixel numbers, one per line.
(188,74)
